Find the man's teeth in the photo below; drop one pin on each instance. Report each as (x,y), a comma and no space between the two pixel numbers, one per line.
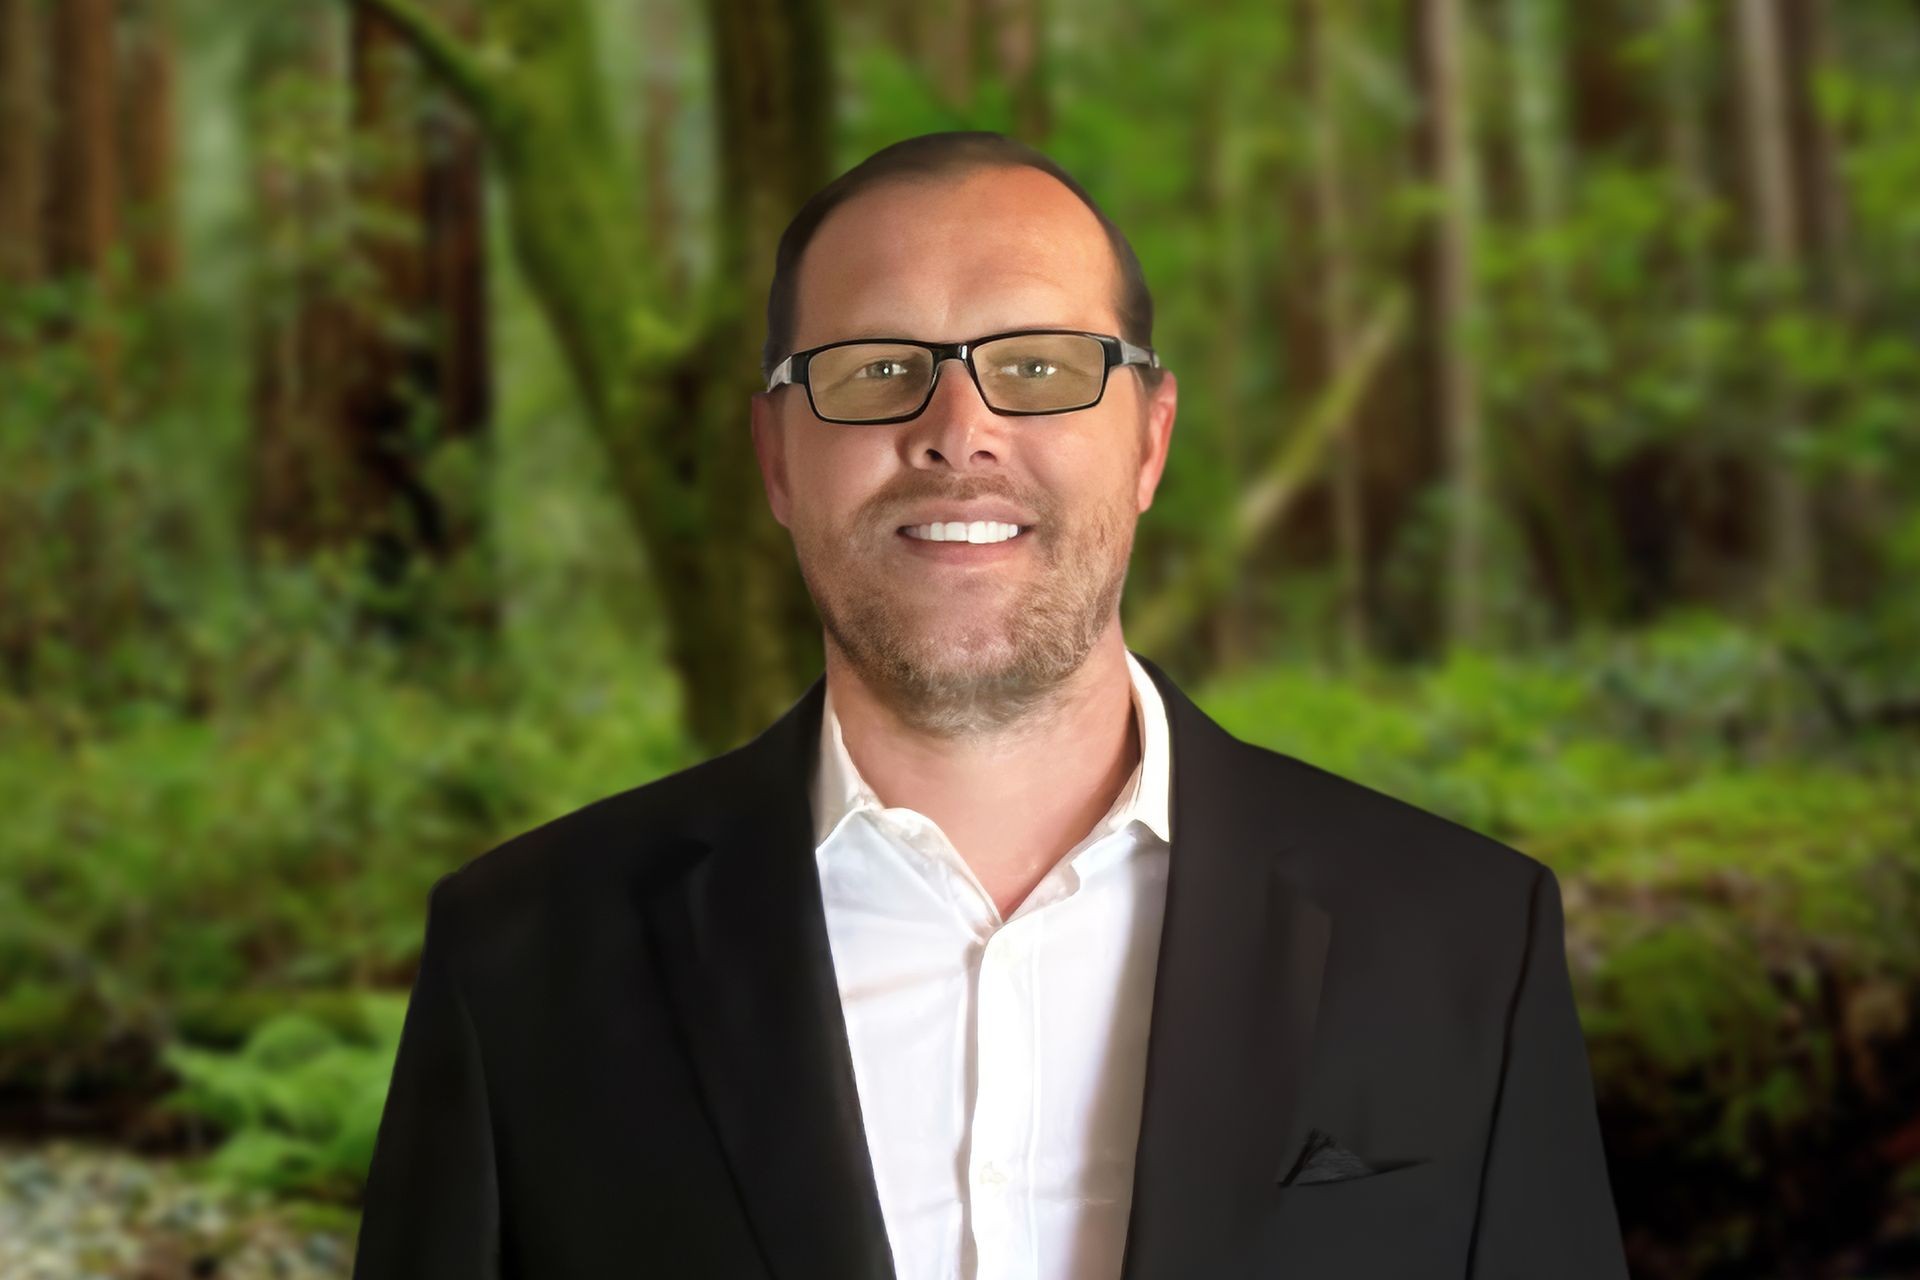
(960,531)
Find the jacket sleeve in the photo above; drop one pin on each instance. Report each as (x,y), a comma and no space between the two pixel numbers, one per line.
(432,1209)
(1546,1208)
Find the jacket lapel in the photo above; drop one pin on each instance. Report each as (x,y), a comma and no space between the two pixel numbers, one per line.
(739,933)
(1235,997)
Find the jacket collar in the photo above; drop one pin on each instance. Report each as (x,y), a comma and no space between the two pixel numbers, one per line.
(739,934)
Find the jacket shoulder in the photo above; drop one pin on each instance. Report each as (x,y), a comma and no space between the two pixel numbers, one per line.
(1349,831)
(1419,901)
(589,852)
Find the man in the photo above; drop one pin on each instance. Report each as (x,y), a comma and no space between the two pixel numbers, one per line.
(994,956)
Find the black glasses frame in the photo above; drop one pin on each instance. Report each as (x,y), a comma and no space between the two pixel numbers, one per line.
(1119,351)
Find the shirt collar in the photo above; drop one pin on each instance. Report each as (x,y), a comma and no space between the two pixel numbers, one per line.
(839,790)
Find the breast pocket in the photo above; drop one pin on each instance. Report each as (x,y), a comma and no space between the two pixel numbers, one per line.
(1411,1221)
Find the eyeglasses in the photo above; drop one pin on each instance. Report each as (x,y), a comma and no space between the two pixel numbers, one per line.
(868,381)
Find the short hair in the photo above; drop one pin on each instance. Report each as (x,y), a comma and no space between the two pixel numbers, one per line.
(954,153)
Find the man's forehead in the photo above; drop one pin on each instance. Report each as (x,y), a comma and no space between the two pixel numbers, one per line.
(883,315)
(959,317)
(956,261)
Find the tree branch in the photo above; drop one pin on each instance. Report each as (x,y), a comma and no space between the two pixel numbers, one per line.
(445,54)
(1298,455)
(1268,498)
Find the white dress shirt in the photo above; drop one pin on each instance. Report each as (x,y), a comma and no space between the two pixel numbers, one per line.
(1000,1063)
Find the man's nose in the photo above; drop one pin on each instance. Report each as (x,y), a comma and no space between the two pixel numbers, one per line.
(956,426)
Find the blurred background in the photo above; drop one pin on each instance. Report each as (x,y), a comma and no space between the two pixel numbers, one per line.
(375,484)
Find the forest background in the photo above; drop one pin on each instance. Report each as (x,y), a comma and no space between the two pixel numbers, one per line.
(375,485)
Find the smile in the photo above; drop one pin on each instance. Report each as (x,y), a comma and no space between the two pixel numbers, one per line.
(979,531)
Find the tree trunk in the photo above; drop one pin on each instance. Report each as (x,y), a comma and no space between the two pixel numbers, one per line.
(774,88)
(1333,275)
(1683,136)
(665,106)
(454,226)
(1452,308)
(24,580)
(1221,196)
(81,232)
(149,162)
(1010,46)
(150,155)
(83,219)
(1686,29)
(1608,95)
(1774,224)
(307,489)
(950,53)
(23,146)
(1550,471)
(82,207)
(1856,514)
(417,375)
(1819,195)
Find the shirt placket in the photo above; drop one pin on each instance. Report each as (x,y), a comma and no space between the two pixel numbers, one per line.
(1001,1126)
(999,1176)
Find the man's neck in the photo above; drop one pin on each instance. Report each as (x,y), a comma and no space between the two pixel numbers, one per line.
(1014,804)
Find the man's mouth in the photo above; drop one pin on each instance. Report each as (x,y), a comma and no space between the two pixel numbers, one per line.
(978,531)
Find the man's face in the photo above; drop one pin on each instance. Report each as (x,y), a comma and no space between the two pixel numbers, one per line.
(961,638)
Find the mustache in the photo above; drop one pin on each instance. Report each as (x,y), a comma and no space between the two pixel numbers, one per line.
(891,502)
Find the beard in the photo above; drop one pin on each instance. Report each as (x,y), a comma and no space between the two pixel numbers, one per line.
(950,670)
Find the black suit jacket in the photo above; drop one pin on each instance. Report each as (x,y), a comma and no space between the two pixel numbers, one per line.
(625,1054)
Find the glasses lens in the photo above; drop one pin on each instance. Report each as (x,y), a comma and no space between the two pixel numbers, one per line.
(868,380)
(1041,372)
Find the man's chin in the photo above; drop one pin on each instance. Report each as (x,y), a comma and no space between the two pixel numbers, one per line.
(944,659)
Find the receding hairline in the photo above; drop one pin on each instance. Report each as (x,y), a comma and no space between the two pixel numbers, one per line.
(959,173)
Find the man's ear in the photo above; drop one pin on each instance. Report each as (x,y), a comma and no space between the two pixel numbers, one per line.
(1157,436)
(770,447)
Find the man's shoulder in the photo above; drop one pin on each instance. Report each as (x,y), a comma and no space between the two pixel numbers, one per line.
(1338,837)
(1417,900)
(591,852)
(1357,844)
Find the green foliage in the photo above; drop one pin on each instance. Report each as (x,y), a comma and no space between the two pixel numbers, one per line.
(136,893)
(300,1102)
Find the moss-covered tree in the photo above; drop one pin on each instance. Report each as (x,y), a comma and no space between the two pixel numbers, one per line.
(664,386)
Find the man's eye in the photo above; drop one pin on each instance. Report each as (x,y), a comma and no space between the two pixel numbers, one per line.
(868,371)
(1034,369)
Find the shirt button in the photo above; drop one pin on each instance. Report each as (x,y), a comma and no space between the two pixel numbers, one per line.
(991,1175)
